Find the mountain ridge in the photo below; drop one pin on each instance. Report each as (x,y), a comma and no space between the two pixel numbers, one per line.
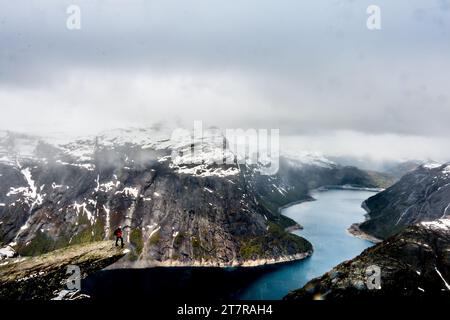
(420,195)
(194,212)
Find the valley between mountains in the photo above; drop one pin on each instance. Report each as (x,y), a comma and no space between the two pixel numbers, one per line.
(57,195)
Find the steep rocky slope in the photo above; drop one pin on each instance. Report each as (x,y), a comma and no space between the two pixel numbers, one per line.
(182,207)
(421,195)
(414,263)
(45,277)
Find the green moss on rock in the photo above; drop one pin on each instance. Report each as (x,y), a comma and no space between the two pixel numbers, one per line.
(252,250)
(136,240)
(99,230)
(88,232)
(275,242)
(41,243)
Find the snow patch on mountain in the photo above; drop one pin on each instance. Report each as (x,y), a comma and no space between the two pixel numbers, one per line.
(30,193)
(307,158)
(446,170)
(129,191)
(6,252)
(107,219)
(431,165)
(108,186)
(81,208)
(87,166)
(206,171)
(442,278)
(155,137)
(442,224)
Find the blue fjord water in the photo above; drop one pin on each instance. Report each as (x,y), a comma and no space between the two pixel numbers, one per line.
(325,223)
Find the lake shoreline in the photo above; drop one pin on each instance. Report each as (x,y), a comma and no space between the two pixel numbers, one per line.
(293,203)
(297,225)
(210,264)
(347,187)
(355,231)
(325,222)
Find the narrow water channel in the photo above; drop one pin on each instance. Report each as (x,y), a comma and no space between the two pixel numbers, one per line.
(325,223)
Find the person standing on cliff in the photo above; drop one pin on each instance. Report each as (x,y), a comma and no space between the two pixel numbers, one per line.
(119,236)
(118,233)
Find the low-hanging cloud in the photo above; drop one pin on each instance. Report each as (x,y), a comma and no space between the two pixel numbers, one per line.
(310,69)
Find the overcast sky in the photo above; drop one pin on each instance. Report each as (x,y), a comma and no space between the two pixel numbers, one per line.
(310,68)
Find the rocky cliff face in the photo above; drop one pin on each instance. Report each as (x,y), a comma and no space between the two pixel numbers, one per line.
(421,195)
(414,263)
(180,212)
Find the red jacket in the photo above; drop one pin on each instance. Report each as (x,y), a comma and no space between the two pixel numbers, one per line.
(118,233)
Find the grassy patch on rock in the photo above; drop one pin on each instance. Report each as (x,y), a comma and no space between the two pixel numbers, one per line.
(41,243)
(137,242)
(154,239)
(275,243)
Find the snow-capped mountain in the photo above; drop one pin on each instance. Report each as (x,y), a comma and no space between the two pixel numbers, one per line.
(183,207)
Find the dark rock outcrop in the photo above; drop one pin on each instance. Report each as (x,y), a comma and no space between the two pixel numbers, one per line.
(43,277)
(421,195)
(414,263)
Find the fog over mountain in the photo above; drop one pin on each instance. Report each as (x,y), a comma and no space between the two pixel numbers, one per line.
(313,70)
